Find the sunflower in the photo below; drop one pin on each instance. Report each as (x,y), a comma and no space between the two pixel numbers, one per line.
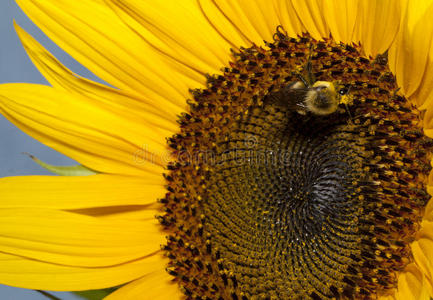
(206,123)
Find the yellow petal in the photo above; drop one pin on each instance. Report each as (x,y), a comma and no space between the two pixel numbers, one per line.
(428,213)
(162,114)
(409,56)
(32,274)
(177,29)
(412,285)
(237,14)
(340,15)
(423,96)
(78,192)
(373,23)
(157,285)
(96,138)
(422,248)
(310,12)
(94,35)
(288,17)
(259,23)
(72,239)
(257,20)
(428,122)
(262,16)
(377,25)
(223,25)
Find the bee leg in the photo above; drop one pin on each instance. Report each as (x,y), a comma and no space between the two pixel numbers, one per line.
(304,81)
(350,115)
(301,109)
(309,68)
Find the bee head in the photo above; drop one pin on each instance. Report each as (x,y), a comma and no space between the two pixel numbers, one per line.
(322,98)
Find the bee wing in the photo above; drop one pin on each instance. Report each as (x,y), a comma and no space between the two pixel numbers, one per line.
(291,96)
(295,98)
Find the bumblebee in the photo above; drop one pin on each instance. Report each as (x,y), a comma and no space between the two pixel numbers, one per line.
(322,98)
(319,98)
(307,95)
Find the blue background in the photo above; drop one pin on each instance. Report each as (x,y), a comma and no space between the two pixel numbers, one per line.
(15,66)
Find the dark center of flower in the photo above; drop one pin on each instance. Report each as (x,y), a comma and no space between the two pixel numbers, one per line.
(269,202)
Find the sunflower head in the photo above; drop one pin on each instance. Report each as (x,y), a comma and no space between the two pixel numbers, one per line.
(265,201)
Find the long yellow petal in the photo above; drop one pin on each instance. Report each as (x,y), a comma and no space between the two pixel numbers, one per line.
(377,25)
(341,15)
(288,17)
(373,23)
(257,20)
(223,25)
(411,53)
(96,138)
(107,47)
(310,12)
(157,285)
(167,27)
(162,115)
(423,96)
(247,22)
(79,192)
(32,274)
(72,239)
(242,23)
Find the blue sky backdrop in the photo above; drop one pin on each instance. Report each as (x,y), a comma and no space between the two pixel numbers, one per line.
(15,66)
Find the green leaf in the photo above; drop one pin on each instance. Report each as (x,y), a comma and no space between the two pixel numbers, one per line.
(77,170)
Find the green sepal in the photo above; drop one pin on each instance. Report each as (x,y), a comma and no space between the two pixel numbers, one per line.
(76,170)
(95,294)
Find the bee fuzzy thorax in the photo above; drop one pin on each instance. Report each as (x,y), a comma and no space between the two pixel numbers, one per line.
(321,98)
